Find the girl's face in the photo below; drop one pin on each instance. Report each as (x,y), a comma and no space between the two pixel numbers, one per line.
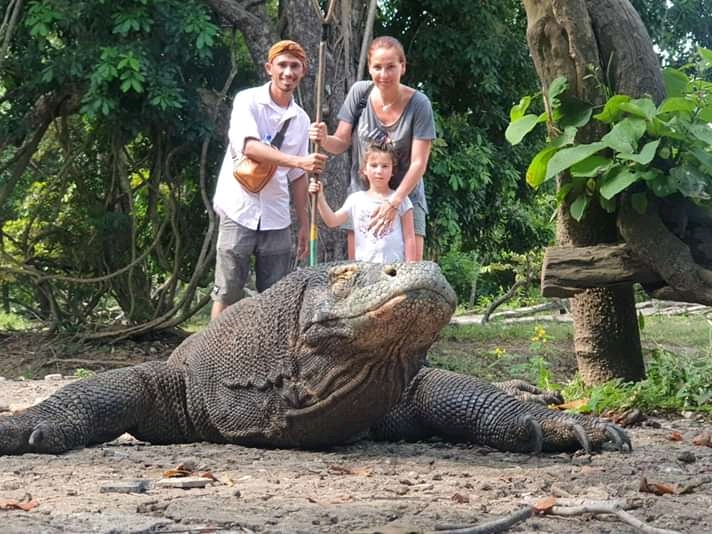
(379,169)
(386,67)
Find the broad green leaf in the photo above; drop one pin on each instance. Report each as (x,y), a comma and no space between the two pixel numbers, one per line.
(558,87)
(676,105)
(518,110)
(705,55)
(690,182)
(675,82)
(517,130)
(611,110)
(643,108)
(616,181)
(645,156)
(624,136)
(574,112)
(609,205)
(565,138)
(536,172)
(703,158)
(703,132)
(705,113)
(590,167)
(662,186)
(659,128)
(578,207)
(566,157)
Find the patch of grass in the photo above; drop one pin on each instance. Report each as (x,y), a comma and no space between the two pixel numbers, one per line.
(674,383)
(685,333)
(13,322)
(500,351)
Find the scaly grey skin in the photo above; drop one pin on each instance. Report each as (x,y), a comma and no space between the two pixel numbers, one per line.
(318,359)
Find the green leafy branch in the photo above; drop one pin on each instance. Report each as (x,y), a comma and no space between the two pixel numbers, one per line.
(647,148)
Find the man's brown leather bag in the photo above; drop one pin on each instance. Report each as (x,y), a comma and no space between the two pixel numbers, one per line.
(254,175)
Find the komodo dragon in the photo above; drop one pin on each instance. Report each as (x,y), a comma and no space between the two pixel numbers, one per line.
(321,358)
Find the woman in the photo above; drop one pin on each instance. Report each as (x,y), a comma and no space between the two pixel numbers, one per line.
(386,111)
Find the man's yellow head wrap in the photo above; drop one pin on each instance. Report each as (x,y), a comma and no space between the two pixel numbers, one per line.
(287,47)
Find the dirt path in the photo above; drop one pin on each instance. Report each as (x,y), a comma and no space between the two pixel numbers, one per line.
(391,488)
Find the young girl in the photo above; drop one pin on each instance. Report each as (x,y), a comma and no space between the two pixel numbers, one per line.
(397,242)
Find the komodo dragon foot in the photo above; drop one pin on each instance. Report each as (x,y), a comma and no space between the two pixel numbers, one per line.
(463,408)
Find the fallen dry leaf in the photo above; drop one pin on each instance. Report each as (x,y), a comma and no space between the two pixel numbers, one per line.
(675,436)
(545,505)
(12,504)
(657,488)
(209,475)
(341,470)
(572,404)
(176,473)
(703,440)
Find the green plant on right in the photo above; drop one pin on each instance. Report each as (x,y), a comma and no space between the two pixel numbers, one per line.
(81,372)
(674,383)
(647,149)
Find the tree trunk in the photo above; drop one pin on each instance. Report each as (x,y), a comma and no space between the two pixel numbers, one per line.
(591,43)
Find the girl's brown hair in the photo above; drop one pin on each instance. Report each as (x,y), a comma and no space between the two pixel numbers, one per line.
(377,148)
(386,41)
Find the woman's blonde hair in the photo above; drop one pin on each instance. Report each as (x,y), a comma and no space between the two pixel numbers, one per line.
(386,41)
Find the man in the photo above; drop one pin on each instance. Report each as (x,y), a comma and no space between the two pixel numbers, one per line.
(257,224)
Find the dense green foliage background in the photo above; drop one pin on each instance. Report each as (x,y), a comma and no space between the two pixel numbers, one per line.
(111,121)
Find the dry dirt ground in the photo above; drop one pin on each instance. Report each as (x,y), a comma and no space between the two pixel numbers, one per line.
(391,488)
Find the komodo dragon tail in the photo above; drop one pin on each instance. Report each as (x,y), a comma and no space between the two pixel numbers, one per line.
(141,400)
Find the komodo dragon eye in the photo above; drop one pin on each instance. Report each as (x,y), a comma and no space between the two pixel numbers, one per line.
(341,279)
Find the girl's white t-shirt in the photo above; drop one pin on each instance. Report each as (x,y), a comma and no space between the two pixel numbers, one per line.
(388,248)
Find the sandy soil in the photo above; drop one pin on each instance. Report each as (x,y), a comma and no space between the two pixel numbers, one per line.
(391,488)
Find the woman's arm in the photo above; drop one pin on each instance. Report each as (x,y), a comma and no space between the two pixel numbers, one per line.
(419,156)
(338,142)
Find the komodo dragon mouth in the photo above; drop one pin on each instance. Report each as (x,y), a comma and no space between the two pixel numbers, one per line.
(360,295)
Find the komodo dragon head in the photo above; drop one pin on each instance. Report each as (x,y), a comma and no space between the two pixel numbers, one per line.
(323,353)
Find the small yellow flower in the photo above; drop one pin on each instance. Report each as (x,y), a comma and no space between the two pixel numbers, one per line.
(499,352)
(540,334)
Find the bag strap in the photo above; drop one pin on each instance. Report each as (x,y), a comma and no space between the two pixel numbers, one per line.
(277,141)
(363,101)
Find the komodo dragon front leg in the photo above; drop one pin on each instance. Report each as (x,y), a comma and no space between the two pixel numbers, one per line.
(463,408)
(147,401)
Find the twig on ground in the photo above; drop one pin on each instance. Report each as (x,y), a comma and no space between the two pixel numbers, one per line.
(561,507)
(498,525)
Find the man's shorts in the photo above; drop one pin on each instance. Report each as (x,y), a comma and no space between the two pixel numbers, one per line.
(236,245)
(418,221)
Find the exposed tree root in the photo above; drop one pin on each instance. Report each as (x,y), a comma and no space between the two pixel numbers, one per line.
(562,507)
(498,525)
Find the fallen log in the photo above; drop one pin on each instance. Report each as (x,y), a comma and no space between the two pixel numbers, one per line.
(570,270)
